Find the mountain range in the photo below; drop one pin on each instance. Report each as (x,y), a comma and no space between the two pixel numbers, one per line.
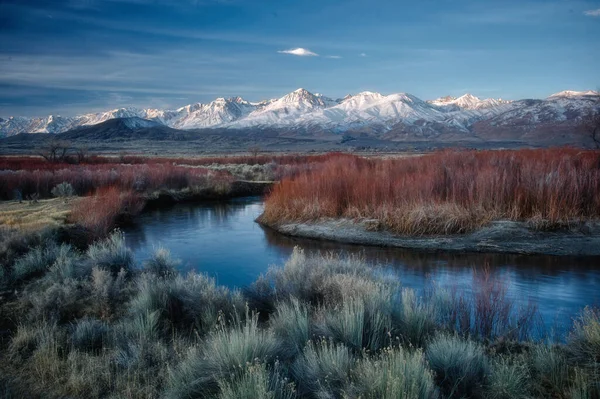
(392,117)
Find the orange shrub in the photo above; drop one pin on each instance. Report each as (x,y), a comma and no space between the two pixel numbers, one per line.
(98,213)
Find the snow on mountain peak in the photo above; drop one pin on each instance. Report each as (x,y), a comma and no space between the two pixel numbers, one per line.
(572,93)
(466,101)
(301,109)
(301,98)
(238,100)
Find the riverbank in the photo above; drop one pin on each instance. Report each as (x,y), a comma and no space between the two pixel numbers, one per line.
(499,236)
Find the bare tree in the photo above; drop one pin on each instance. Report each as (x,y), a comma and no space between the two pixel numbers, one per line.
(55,151)
(254,150)
(82,153)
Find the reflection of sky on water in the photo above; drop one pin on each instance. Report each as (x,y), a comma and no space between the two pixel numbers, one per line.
(221,239)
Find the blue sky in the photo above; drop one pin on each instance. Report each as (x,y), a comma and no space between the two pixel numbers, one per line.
(72,56)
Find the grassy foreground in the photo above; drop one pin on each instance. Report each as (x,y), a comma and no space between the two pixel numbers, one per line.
(446,192)
(90,323)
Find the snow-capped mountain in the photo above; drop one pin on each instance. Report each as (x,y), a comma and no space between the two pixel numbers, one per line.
(574,94)
(304,110)
(467,101)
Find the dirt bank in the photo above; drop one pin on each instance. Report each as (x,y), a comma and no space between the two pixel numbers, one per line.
(500,236)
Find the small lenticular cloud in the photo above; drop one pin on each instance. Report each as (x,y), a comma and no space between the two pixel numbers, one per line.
(336,57)
(593,13)
(301,52)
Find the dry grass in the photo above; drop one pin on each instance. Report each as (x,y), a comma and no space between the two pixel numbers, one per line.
(445,192)
(31,217)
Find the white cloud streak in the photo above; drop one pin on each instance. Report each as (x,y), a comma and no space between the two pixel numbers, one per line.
(592,13)
(335,57)
(301,52)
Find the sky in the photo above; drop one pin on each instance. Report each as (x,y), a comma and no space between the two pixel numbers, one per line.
(67,57)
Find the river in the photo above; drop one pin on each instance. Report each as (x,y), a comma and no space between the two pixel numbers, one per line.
(222,240)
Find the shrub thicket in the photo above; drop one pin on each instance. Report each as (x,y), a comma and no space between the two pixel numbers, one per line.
(90,324)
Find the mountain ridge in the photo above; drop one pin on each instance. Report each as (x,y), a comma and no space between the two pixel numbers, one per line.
(303,110)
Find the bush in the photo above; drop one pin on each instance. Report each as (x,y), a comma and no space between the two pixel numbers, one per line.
(257,382)
(99,213)
(585,386)
(89,335)
(395,373)
(37,261)
(63,190)
(292,325)
(415,320)
(358,324)
(316,280)
(191,302)
(36,336)
(549,369)
(60,302)
(460,365)
(223,356)
(161,263)
(508,380)
(584,341)
(323,370)
(69,264)
(111,253)
(107,290)
(141,327)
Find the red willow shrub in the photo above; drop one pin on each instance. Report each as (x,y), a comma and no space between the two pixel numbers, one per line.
(31,174)
(445,192)
(42,177)
(100,212)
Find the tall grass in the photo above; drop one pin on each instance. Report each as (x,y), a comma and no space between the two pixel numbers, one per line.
(445,192)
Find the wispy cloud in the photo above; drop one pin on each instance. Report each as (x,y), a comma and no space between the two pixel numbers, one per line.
(301,52)
(335,57)
(363,54)
(592,13)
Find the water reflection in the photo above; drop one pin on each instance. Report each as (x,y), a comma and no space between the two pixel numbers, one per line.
(221,239)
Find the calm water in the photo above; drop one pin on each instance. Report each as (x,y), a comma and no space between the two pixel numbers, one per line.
(222,240)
